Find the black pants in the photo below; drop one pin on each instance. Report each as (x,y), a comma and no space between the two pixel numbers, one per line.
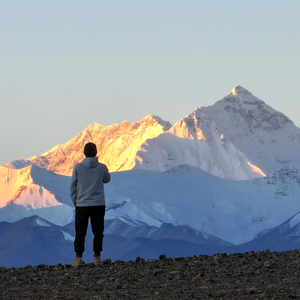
(82,215)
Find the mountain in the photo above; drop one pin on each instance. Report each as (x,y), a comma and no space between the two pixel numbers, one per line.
(165,231)
(237,138)
(37,242)
(285,236)
(32,241)
(234,211)
(219,158)
(117,145)
(33,190)
(267,137)
(216,181)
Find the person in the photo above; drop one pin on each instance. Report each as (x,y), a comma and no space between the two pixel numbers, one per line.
(87,194)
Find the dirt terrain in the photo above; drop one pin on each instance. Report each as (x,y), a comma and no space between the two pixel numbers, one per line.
(261,275)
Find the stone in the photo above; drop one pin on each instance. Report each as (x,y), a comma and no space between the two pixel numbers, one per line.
(251,275)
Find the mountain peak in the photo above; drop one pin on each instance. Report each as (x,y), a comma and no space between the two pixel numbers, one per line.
(240,96)
(150,119)
(239,90)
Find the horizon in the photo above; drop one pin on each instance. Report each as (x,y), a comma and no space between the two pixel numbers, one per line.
(66,66)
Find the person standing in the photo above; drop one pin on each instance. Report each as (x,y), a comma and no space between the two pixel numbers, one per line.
(87,194)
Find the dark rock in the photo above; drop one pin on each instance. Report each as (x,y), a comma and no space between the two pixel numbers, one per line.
(251,275)
(162,256)
(107,261)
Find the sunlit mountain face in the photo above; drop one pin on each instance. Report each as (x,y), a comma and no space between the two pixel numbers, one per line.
(117,145)
(34,190)
(239,137)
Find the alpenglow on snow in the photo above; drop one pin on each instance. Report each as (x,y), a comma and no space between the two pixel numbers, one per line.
(237,138)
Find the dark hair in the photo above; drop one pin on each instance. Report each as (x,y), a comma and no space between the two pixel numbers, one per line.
(90,150)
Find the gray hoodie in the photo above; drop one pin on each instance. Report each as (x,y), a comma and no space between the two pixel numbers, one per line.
(87,183)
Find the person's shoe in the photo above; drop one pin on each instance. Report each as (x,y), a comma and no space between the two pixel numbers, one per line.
(78,261)
(97,260)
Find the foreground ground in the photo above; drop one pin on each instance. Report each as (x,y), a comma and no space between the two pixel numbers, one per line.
(262,275)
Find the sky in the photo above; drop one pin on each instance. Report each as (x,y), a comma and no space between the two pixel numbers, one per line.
(67,64)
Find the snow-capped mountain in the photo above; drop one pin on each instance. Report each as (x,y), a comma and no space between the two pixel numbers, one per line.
(36,241)
(46,243)
(234,211)
(239,137)
(267,137)
(283,237)
(117,145)
(33,190)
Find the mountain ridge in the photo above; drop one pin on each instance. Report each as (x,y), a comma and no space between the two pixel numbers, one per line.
(112,142)
(238,137)
(183,195)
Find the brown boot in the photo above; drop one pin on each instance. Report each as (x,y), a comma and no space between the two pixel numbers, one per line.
(97,260)
(78,261)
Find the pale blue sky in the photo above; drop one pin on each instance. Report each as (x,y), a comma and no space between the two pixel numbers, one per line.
(67,64)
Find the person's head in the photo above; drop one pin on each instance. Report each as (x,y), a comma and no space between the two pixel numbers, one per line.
(90,150)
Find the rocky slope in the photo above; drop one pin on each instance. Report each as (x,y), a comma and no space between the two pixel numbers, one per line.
(261,275)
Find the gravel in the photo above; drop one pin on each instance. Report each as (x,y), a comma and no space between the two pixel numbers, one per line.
(251,275)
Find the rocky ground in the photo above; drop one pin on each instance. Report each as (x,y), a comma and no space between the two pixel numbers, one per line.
(262,275)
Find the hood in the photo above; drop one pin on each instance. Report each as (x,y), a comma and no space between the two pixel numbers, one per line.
(90,162)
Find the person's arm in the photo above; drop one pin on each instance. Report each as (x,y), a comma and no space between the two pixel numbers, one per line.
(106,177)
(73,186)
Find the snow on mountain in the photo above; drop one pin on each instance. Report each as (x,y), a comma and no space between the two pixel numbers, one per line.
(234,211)
(218,157)
(46,243)
(165,231)
(36,241)
(117,145)
(33,190)
(30,242)
(239,137)
(267,137)
(283,237)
